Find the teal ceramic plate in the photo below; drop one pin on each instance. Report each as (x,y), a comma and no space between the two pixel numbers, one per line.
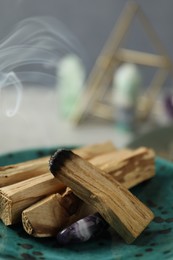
(156,242)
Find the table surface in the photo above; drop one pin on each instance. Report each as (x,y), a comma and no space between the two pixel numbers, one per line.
(38,123)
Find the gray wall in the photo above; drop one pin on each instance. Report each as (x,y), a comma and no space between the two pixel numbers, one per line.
(91,21)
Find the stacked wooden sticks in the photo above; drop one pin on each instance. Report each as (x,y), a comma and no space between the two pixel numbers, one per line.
(92,178)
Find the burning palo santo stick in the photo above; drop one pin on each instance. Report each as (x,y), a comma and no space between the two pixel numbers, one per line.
(123,211)
(18,172)
(128,166)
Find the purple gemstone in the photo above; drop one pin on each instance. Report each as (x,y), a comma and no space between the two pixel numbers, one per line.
(83,230)
(169,104)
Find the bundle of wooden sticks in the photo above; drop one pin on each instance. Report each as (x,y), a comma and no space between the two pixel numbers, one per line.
(95,178)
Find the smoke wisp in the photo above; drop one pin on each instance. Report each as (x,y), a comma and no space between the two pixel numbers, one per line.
(31,52)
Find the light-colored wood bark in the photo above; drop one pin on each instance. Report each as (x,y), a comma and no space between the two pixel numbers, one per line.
(11,174)
(16,197)
(90,151)
(123,165)
(119,207)
(128,167)
(46,217)
(18,172)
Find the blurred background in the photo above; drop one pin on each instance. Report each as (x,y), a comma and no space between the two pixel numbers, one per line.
(90,22)
(47,52)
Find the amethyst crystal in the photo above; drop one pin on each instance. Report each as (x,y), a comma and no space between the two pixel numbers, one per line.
(83,230)
(169,104)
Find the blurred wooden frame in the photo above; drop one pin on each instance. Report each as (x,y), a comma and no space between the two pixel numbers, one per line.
(112,55)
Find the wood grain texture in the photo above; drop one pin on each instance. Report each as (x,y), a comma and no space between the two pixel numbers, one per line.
(26,191)
(119,207)
(18,172)
(46,217)
(128,166)
(16,197)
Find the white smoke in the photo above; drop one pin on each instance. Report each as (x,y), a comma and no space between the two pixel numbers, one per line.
(37,40)
(11,80)
(31,52)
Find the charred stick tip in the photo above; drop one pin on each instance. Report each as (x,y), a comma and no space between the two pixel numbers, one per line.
(57,160)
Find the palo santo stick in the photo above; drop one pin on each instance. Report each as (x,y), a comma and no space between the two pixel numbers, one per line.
(90,151)
(16,197)
(119,207)
(14,173)
(135,167)
(22,171)
(11,204)
(46,217)
(129,167)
